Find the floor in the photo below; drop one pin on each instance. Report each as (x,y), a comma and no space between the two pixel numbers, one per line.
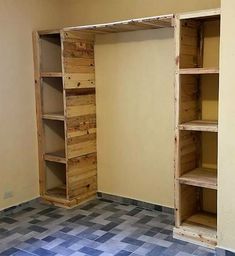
(97,228)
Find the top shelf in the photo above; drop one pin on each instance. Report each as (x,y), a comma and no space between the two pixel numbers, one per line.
(198,71)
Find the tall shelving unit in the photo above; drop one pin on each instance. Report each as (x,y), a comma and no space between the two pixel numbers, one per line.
(66,111)
(197,37)
(66,116)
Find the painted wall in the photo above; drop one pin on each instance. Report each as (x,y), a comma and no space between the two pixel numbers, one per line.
(18,150)
(226,207)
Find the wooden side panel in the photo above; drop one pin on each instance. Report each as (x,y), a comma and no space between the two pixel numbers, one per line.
(82,176)
(189,44)
(79,64)
(189,95)
(80,114)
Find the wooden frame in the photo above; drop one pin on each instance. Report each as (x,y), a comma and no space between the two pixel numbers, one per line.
(69,58)
(193,180)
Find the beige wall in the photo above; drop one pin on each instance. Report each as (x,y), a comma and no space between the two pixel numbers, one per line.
(135,115)
(18,150)
(226,207)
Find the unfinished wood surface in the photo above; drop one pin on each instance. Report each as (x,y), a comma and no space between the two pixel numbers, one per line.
(81,81)
(202,14)
(199,71)
(200,177)
(58,192)
(54,116)
(51,74)
(188,99)
(58,157)
(200,125)
(154,22)
(38,98)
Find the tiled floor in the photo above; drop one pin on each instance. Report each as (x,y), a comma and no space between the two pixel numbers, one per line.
(97,228)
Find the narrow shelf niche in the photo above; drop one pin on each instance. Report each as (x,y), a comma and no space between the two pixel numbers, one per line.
(50,53)
(199,209)
(54,137)
(56,180)
(52,99)
(198,161)
(199,103)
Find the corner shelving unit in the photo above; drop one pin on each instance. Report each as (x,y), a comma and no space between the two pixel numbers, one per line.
(197,38)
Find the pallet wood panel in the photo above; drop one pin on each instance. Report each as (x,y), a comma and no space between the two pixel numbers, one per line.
(200,177)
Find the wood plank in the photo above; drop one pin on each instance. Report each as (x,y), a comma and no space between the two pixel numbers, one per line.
(200,14)
(79,80)
(51,74)
(58,157)
(200,125)
(54,116)
(127,25)
(200,177)
(38,99)
(198,71)
(58,192)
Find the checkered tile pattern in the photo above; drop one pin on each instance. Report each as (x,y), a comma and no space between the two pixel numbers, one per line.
(98,228)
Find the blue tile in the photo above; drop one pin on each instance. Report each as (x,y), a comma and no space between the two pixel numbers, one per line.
(48,239)
(43,252)
(23,253)
(31,240)
(66,229)
(123,253)
(37,228)
(90,251)
(132,241)
(156,251)
(105,237)
(9,251)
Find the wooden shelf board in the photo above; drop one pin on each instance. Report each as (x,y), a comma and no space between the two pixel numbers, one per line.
(57,192)
(54,116)
(198,71)
(200,125)
(58,157)
(199,228)
(154,22)
(51,74)
(200,177)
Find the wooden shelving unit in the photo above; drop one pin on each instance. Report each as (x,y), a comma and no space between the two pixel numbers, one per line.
(66,107)
(66,116)
(196,92)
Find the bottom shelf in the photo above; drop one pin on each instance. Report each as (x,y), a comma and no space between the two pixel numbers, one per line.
(200,228)
(58,192)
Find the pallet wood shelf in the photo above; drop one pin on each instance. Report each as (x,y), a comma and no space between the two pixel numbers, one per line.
(198,71)
(51,74)
(200,227)
(54,116)
(200,177)
(58,157)
(196,146)
(58,192)
(200,125)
